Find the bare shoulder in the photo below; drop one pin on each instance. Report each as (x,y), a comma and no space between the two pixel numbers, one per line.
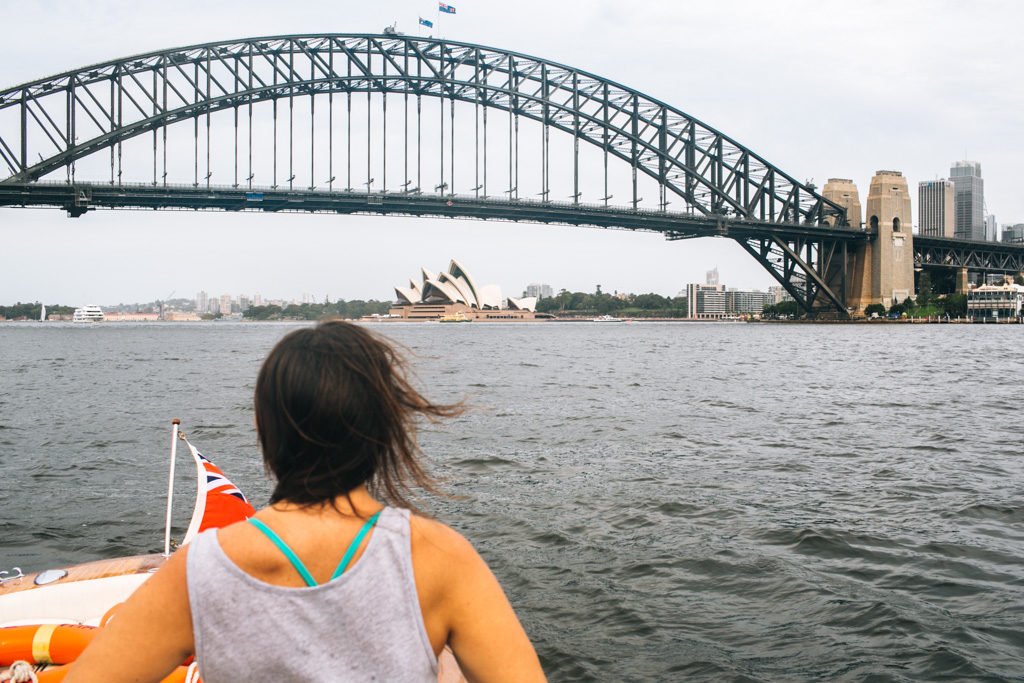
(432,536)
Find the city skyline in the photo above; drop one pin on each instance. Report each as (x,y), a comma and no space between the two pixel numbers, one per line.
(110,255)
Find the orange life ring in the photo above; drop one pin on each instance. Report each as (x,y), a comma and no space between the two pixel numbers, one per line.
(44,644)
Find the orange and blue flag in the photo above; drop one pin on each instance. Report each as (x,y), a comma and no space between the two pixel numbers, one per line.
(218,501)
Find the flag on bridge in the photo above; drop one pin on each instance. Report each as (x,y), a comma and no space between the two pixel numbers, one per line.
(426,22)
(447,9)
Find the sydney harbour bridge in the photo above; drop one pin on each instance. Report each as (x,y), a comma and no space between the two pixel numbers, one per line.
(394,124)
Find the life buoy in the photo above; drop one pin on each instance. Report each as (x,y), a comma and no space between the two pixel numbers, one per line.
(44,644)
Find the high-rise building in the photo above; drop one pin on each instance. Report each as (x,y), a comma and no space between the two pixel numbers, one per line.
(225,304)
(1013,233)
(541,291)
(711,277)
(970,200)
(991,229)
(705,301)
(257,299)
(936,205)
(202,302)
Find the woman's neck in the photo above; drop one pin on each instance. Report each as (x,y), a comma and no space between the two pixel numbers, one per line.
(356,503)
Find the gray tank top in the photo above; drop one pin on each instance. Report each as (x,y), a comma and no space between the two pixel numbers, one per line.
(365,625)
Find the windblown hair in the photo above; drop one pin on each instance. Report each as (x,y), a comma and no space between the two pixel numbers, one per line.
(334,410)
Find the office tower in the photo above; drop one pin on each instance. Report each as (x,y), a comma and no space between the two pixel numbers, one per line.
(970,200)
(711,277)
(1014,233)
(991,229)
(202,302)
(539,290)
(936,205)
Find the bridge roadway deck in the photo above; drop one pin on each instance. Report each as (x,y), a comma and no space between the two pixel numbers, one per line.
(81,197)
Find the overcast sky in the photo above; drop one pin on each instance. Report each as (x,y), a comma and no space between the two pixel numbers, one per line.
(819,88)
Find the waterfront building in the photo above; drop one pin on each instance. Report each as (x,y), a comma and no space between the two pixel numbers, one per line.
(455,293)
(970,200)
(539,291)
(257,299)
(747,302)
(225,304)
(779,294)
(1013,233)
(705,302)
(995,302)
(202,301)
(243,303)
(936,205)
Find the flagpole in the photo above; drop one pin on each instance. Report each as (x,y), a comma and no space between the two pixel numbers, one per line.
(170,486)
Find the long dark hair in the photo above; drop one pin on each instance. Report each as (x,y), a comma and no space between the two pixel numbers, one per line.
(335,409)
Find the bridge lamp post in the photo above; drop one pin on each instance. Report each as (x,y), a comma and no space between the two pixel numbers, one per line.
(511,192)
(369,184)
(291,185)
(442,187)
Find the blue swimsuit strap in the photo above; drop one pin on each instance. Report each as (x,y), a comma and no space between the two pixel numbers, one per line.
(297,563)
(354,545)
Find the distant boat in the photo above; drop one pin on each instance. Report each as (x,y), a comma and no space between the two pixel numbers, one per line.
(88,314)
(606,319)
(457,317)
(42,314)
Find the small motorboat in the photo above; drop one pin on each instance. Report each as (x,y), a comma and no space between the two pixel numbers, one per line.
(49,617)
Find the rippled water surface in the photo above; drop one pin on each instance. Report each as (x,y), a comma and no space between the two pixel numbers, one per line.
(661,501)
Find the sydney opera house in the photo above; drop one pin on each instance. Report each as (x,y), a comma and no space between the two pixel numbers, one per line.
(454,293)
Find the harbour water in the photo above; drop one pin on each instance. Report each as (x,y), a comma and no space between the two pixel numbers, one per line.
(661,501)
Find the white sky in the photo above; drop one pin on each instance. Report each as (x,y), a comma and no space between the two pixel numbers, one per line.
(819,88)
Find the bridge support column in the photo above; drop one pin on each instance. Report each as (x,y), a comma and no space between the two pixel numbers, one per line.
(961,281)
(891,253)
(844,192)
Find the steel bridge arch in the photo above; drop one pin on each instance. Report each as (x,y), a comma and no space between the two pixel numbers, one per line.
(712,173)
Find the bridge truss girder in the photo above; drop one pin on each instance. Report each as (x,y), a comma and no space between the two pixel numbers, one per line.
(65,118)
(986,257)
(811,269)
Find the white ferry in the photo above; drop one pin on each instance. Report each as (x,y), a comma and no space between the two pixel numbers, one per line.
(88,314)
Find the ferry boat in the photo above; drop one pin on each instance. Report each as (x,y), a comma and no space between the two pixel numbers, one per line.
(88,314)
(607,319)
(457,317)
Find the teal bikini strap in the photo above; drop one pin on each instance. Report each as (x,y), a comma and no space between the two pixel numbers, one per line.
(283,547)
(356,542)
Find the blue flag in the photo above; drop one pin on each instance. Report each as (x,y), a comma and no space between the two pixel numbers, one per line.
(426,22)
(447,9)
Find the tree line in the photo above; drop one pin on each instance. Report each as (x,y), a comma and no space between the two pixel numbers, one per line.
(602,303)
(356,308)
(32,311)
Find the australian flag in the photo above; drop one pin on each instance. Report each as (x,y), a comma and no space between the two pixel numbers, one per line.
(426,22)
(447,9)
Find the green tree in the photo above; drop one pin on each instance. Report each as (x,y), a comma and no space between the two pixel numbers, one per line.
(924,289)
(871,309)
(955,305)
